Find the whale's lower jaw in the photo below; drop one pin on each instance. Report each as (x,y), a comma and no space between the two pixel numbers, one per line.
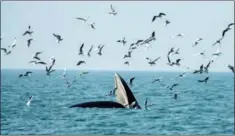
(98,104)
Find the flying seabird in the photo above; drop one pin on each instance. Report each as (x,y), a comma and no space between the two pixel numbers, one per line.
(58,37)
(27,73)
(230,67)
(226,30)
(217,42)
(177,62)
(167,22)
(218,52)
(81,62)
(113,12)
(83,73)
(89,52)
(171,51)
(169,61)
(49,70)
(131,81)
(152,62)
(158,16)
(197,42)
(127,63)
(29,41)
(171,87)
(100,50)
(81,49)
(29,100)
(29,32)
(82,19)
(200,70)
(123,41)
(157,80)
(202,53)
(35,56)
(181,75)
(129,55)
(177,51)
(207,66)
(92,25)
(7,52)
(38,62)
(204,80)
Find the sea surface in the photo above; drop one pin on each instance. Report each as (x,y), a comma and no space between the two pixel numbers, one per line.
(199,109)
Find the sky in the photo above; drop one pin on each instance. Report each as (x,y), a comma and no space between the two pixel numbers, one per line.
(196,19)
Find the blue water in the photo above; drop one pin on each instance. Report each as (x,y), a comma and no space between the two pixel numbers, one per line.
(199,109)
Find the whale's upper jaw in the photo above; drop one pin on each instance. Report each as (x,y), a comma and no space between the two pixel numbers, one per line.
(123,93)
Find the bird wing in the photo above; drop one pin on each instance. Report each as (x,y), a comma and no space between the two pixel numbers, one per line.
(111,6)
(37,53)
(32,62)
(154,17)
(231,24)
(156,59)
(168,58)
(79,18)
(81,47)
(223,34)
(90,49)
(162,14)
(4,49)
(153,34)
(55,35)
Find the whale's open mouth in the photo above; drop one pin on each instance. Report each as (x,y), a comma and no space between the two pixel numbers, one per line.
(124,97)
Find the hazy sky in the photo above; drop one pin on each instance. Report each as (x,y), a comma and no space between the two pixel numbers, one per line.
(195,19)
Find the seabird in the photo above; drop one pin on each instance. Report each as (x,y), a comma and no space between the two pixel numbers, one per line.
(7,52)
(27,73)
(100,50)
(181,75)
(89,52)
(29,100)
(113,12)
(217,42)
(207,66)
(82,19)
(171,87)
(81,49)
(35,56)
(158,16)
(200,70)
(81,62)
(197,42)
(169,61)
(152,62)
(29,41)
(128,55)
(218,52)
(58,37)
(202,53)
(171,51)
(127,63)
(226,30)
(49,70)
(92,25)
(157,80)
(123,41)
(167,22)
(131,81)
(83,73)
(29,32)
(204,80)
(230,67)
(177,51)
(38,62)
(177,62)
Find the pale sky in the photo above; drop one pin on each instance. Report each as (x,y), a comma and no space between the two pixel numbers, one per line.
(196,19)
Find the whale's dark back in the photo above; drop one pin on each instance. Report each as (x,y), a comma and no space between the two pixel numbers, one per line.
(99,104)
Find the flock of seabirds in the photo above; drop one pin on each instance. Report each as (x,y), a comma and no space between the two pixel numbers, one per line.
(141,42)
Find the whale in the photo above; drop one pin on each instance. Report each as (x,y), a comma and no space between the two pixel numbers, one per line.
(123,95)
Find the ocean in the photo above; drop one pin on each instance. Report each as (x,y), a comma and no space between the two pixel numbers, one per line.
(199,109)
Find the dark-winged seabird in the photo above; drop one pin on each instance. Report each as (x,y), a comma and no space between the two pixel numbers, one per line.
(157,80)
(207,66)
(7,52)
(202,53)
(200,70)
(217,42)
(113,12)
(127,63)
(158,16)
(152,62)
(171,87)
(49,70)
(230,67)
(171,51)
(92,25)
(58,37)
(81,62)
(38,62)
(128,55)
(204,80)
(81,49)
(225,31)
(29,31)
(27,73)
(29,41)
(82,19)
(218,52)
(100,50)
(123,41)
(13,43)
(131,81)
(89,52)
(35,56)
(167,22)
(197,42)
